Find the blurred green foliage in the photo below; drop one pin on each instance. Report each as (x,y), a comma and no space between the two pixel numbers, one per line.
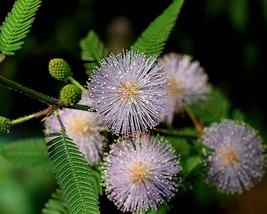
(228,37)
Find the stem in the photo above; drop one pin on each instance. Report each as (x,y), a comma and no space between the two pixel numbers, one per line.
(46,112)
(30,92)
(37,95)
(198,124)
(78,107)
(54,104)
(174,132)
(75,82)
(60,122)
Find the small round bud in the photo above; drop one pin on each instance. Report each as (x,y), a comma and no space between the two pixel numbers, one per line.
(59,69)
(70,94)
(4,125)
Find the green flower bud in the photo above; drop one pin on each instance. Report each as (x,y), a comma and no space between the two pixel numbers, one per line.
(70,94)
(59,69)
(4,125)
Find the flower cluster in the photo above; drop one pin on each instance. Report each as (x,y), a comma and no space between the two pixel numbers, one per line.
(130,94)
(140,173)
(237,161)
(110,117)
(83,128)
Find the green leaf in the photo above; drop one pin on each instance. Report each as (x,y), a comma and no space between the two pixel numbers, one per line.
(17,24)
(182,140)
(28,153)
(96,172)
(152,40)
(55,204)
(237,114)
(73,175)
(214,109)
(93,51)
(190,164)
(191,155)
(239,14)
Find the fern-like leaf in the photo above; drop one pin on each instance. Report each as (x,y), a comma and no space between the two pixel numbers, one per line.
(55,204)
(237,114)
(152,40)
(17,24)
(73,175)
(93,50)
(96,172)
(191,156)
(214,109)
(28,154)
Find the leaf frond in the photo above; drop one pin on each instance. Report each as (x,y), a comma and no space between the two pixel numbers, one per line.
(27,153)
(93,50)
(214,109)
(17,24)
(152,40)
(237,114)
(73,175)
(55,204)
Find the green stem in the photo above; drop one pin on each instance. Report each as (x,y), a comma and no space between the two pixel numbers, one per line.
(78,107)
(30,92)
(46,112)
(75,82)
(60,121)
(174,132)
(37,95)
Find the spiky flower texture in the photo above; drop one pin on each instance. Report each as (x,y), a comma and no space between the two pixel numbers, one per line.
(140,173)
(237,162)
(188,82)
(129,92)
(82,127)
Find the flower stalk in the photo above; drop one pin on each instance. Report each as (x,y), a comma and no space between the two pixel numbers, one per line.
(176,133)
(46,112)
(27,91)
(37,95)
(75,82)
(198,124)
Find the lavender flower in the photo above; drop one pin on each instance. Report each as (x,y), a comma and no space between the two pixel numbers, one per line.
(140,173)
(128,92)
(237,162)
(187,82)
(82,127)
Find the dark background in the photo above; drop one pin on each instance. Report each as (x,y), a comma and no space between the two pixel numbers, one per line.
(227,37)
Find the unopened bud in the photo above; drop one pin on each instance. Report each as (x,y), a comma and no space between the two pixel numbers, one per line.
(70,94)
(59,69)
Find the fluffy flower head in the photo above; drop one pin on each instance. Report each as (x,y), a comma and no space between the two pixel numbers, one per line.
(128,92)
(187,82)
(82,127)
(237,161)
(140,173)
